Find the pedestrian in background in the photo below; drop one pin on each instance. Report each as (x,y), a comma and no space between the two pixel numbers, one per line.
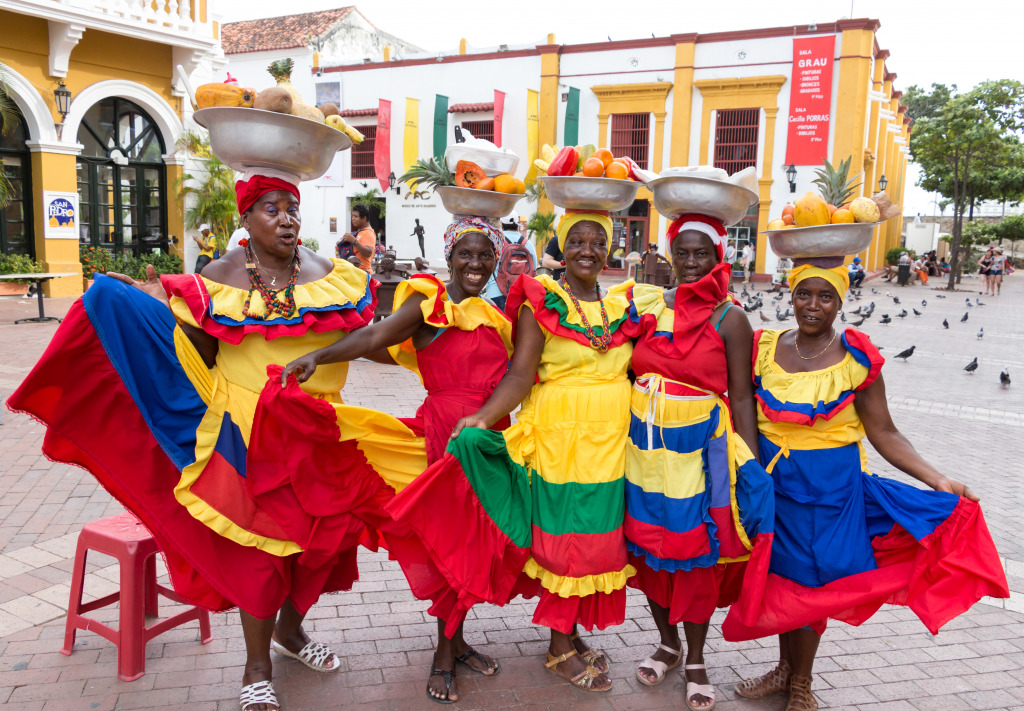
(206,247)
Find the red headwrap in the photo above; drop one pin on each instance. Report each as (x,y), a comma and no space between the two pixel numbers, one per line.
(703,224)
(247,192)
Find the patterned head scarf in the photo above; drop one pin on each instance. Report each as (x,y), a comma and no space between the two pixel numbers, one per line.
(572,217)
(464,224)
(838,277)
(699,223)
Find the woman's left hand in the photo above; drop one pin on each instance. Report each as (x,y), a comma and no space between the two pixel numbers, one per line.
(952,486)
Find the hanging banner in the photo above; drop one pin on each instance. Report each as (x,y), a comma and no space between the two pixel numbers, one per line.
(411,143)
(572,118)
(499,115)
(440,126)
(810,100)
(382,145)
(532,133)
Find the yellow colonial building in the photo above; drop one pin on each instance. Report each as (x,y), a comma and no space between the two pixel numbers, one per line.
(103,173)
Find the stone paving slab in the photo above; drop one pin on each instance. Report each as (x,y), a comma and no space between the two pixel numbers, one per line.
(966,424)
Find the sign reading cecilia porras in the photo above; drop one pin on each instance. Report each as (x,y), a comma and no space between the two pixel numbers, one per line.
(810,100)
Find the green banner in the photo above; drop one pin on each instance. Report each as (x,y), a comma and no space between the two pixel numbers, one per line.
(440,126)
(572,118)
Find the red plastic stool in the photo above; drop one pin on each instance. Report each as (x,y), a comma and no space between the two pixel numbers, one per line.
(125,538)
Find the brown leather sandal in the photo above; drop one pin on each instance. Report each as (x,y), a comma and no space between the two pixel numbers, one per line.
(800,696)
(594,657)
(774,682)
(584,680)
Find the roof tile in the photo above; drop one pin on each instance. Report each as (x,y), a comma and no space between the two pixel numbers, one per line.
(471,108)
(286,32)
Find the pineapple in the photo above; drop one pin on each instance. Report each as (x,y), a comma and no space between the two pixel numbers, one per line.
(281,70)
(430,173)
(833,184)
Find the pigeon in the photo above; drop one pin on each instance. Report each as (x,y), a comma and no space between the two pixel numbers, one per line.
(1004,378)
(764,319)
(916,312)
(858,323)
(969,304)
(945,323)
(979,302)
(939,296)
(885,319)
(902,314)
(842,316)
(924,302)
(905,354)
(972,366)
(896,300)
(981,333)
(856,311)
(964,319)
(874,290)
(889,294)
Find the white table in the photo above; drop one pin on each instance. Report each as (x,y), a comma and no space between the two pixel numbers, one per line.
(38,279)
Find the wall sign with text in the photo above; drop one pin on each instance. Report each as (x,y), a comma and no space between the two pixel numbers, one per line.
(810,100)
(61,213)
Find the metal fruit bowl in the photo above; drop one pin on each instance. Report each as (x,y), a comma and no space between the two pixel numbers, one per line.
(470,201)
(822,240)
(675,196)
(578,193)
(245,138)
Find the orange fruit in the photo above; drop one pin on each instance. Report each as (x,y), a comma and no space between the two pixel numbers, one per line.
(842,215)
(616,170)
(485,184)
(788,219)
(520,187)
(831,208)
(593,168)
(788,210)
(578,174)
(604,155)
(505,183)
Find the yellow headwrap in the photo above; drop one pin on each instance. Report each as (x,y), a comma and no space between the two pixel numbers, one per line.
(571,218)
(838,277)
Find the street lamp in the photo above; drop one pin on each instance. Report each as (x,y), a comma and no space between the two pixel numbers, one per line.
(882,182)
(62,97)
(391,183)
(791,177)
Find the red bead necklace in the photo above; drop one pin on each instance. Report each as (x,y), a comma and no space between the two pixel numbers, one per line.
(282,306)
(598,343)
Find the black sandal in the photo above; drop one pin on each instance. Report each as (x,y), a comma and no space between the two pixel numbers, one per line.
(473,654)
(448,676)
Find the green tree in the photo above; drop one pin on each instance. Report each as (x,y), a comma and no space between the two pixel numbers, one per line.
(373,201)
(922,103)
(542,226)
(1010,230)
(213,191)
(8,122)
(969,147)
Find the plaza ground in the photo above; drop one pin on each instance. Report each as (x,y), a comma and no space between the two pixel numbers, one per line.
(966,424)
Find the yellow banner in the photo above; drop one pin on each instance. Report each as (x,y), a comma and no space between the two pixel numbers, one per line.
(411,142)
(532,133)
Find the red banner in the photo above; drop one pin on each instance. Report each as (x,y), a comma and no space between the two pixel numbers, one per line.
(810,100)
(382,145)
(499,114)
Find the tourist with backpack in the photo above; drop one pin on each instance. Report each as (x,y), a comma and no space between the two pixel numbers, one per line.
(518,256)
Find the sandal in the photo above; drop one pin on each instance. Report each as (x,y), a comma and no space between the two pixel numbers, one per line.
(584,680)
(800,696)
(659,668)
(473,654)
(595,658)
(774,682)
(313,655)
(448,676)
(260,692)
(693,689)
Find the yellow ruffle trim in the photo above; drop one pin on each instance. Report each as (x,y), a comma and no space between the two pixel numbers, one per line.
(649,300)
(467,315)
(616,302)
(811,388)
(578,587)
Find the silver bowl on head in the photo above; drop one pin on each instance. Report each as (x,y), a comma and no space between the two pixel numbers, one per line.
(579,193)
(675,196)
(822,240)
(470,201)
(246,138)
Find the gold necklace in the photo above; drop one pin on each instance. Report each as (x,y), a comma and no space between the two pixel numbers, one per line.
(273,278)
(797,346)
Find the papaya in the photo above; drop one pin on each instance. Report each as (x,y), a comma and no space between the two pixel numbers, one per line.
(811,211)
(224,95)
(468,174)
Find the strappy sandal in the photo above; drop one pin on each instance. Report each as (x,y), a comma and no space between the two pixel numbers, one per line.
(584,680)
(260,692)
(595,658)
(313,655)
(659,668)
(800,696)
(473,654)
(693,689)
(774,682)
(448,676)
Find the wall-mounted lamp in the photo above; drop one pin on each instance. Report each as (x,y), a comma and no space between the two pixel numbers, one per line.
(391,183)
(882,182)
(62,98)
(316,64)
(791,177)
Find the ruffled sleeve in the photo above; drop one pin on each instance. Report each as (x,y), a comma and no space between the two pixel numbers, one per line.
(555,312)
(439,311)
(344,300)
(646,305)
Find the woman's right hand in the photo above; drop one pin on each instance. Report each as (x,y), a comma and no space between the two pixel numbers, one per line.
(470,421)
(302,368)
(151,285)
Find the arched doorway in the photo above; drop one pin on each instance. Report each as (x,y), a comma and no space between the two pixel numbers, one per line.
(16,234)
(121,178)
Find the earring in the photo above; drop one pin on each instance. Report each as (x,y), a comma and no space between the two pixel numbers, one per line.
(300,241)
(562,262)
(604,268)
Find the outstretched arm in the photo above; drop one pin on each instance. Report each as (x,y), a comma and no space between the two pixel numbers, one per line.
(739,342)
(894,447)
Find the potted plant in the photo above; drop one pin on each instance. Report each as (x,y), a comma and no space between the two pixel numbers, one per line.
(17,264)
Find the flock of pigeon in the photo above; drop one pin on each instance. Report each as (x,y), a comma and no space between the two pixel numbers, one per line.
(754,301)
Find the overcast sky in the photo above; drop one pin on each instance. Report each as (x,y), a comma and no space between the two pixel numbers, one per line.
(960,43)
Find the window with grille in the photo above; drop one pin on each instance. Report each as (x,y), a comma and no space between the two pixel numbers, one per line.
(736,139)
(480,129)
(362,154)
(631,135)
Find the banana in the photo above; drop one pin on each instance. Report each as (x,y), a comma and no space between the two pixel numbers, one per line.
(542,165)
(548,152)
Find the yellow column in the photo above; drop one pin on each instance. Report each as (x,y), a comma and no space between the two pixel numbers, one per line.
(871,173)
(175,212)
(656,165)
(55,171)
(682,99)
(857,48)
(764,185)
(548,99)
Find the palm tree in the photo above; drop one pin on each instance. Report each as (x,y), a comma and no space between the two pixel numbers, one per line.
(213,190)
(8,122)
(373,201)
(542,226)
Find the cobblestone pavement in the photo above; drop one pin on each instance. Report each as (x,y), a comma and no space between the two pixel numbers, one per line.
(967,424)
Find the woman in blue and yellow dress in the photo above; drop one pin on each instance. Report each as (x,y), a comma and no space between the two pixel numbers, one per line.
(847,541)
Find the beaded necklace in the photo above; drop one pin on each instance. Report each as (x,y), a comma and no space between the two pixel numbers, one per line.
(598,343)
(283,307)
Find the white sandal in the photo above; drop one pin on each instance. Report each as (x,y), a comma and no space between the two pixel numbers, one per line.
(260,692)
(693,688)
(659,668)
(313,655)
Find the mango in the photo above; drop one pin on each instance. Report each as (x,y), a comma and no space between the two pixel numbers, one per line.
(810,211)
(776,224)
(865,210)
